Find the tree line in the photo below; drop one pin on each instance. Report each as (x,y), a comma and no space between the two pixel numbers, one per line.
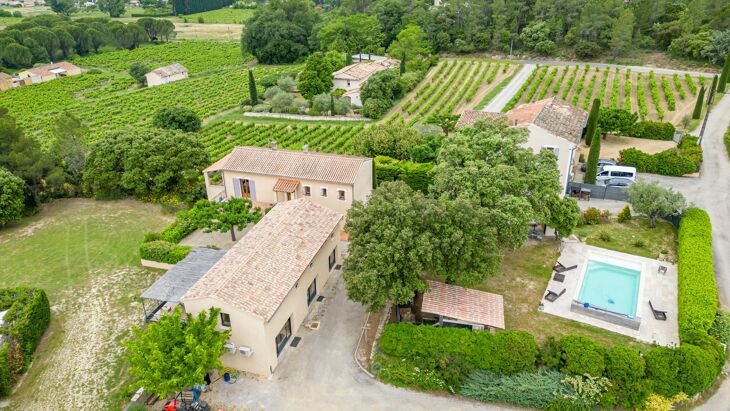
(285,30)
(46,38)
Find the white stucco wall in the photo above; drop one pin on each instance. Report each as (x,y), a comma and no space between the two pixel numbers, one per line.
(539,138)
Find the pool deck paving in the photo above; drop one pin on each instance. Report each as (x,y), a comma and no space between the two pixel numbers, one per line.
(660,289)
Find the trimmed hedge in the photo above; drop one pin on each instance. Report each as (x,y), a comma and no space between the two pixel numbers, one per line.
(697,290)
(163,251)
(623,122)
(654,130)
(672,162)
(417,175)
(506,352)
(28,315)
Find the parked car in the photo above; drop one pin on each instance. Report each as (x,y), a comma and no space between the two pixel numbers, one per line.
(615,182)
(601,163)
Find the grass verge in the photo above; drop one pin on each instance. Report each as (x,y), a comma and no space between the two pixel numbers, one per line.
(633,237)
(493,93)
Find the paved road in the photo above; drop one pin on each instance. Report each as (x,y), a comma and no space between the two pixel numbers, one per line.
(504,96)
(321,374)
(638,69)
(711,191)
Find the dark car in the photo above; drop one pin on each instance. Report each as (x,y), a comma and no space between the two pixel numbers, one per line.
(601,163)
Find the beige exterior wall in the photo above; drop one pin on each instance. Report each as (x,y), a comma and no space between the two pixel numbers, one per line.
(253,332)
(154,79)
(6,84)
(342,84)
(37,78)
(264,194)
(539,138)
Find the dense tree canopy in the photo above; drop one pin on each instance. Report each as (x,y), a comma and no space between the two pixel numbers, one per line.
(352,34)
(167,357)
(12,195)
(146,163)
(177,118)
(225,216)
(316,76)
(279,31)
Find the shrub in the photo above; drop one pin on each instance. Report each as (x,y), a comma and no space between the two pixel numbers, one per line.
(604,236)
(662,369)
(536,390)
(580,355)
(697,369)
(654,130)
(386,169)
(502,352)
(545,47)
(624,215)
(720,328)
(588,389)
(585,49)
(286,84)
(177,118)
(697,290)
(376,108)
(625,368)
(656,402)
(163,252)
(591,216)
(152,236)
(409,80)
(417,175)
(671,162)
(639,243)
(405,373)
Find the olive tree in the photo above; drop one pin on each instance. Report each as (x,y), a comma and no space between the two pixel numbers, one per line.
(652,200)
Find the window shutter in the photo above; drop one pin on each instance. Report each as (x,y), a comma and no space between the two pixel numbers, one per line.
(252,185)
(237,187)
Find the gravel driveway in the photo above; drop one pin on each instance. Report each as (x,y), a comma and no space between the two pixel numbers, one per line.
(504,96)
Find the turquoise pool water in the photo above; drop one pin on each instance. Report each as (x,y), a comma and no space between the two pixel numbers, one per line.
(610,287)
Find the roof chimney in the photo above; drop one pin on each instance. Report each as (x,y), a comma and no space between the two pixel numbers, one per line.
(305,148)
(272,144)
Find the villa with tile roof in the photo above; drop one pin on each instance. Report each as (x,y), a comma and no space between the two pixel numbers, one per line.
(269,176)
(48,72)
(554,125)
(267,283)
(352,77)
(168,74)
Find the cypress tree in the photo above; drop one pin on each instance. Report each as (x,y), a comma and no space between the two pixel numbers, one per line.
(698,104)
(403,65)
(725,73)
(711,94)
(592,121)
(348,59)
(332,105)
(252,88)
(592,164)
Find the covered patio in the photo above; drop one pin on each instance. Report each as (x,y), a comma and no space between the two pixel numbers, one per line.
(454,306)
(165,294)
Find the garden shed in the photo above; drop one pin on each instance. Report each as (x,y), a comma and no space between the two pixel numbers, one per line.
(454,306)
(165,294)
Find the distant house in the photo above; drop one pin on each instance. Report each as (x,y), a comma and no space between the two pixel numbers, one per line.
(268,282)
(6,81)
(48,72)
(357,58)
(167,74)
(352,77)
(268,176)
(554,125)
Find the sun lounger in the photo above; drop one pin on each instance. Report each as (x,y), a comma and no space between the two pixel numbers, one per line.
(559,277)
(560,268)
(552,295)
(659,315)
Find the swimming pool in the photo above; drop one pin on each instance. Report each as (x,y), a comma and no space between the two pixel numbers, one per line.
(610,287)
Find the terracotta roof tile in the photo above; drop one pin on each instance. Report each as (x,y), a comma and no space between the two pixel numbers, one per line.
(170,70)
(554,115)
(464,304)
(46,70)
(284,185)
(363,70)
(292,164)
(258,272)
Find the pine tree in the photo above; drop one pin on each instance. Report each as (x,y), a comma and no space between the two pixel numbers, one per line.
(722,84)
(592,121)
(698,105)
(252,88)
(592,164)
(403,65)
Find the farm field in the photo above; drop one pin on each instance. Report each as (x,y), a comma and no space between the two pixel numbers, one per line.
(220,137)
(449,88)
(106,100)
(653,96)
(221,16)
(206,31)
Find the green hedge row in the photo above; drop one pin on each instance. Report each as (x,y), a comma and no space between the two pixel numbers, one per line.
(655,130)
(672,162)
(505,352)
(697,293)
(623,122)
(416,175)
(28,315)
(163,251)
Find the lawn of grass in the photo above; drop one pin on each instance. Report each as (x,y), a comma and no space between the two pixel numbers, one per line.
(522,281)
(84,253)
(634,237)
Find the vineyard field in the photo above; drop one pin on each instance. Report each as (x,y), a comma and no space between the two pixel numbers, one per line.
(654,97)
(452,86)
(196,56)
(220,137)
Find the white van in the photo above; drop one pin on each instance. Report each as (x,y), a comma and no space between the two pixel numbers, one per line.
(607,172)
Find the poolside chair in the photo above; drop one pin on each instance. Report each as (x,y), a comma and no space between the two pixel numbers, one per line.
(560,268)
(559,277)
(662,269)
(659,315)
(552,295)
